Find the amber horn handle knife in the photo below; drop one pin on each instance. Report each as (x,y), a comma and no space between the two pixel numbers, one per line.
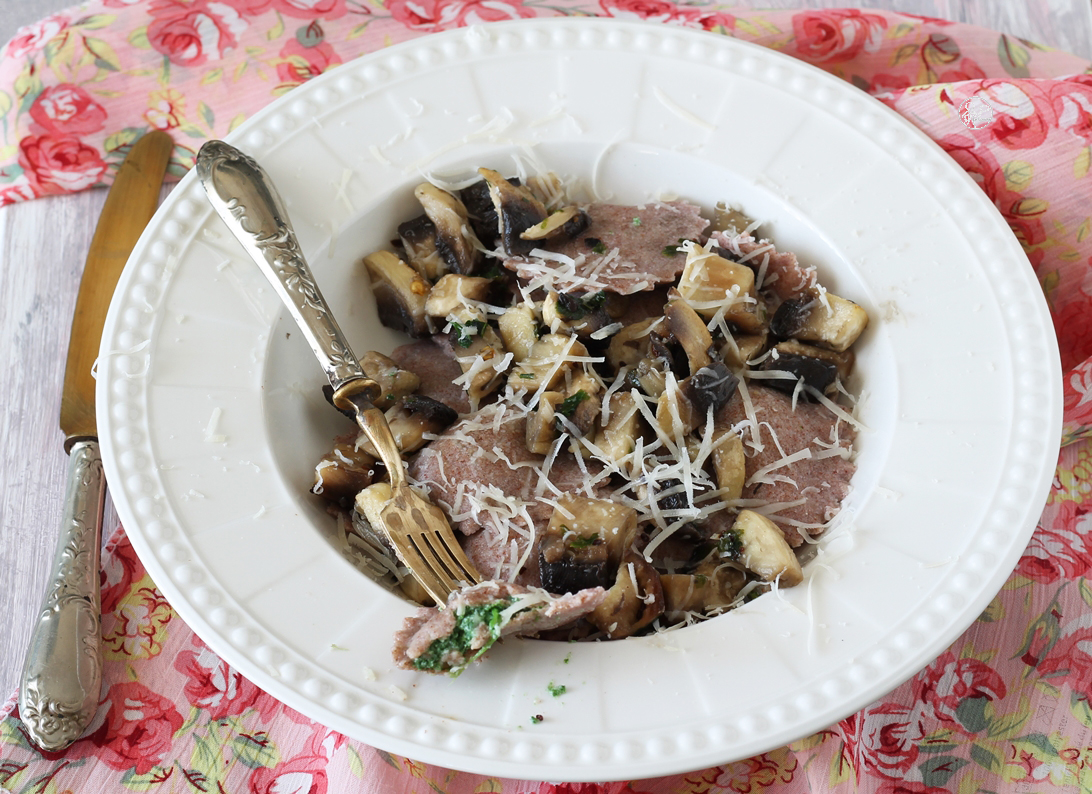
(62,674)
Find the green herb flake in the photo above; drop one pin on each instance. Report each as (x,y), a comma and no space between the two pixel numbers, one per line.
(536,719)
(464,334)
(337,647)
(568,406)
(557,690)
(599,248)
(527,375)
(584,541)
(730,545)
(567,659)
(670,250)
(636,221)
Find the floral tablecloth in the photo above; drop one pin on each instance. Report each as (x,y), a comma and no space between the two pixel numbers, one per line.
(1007,708)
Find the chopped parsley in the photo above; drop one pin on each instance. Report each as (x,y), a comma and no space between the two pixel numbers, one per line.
(557,690)
(671,250)
(468,621)
(567,658)
(584,541)
(536,719)
(636,221)
(464,334)
(595,244)
(730,545)
(570,307)
(568,406)
(527,375)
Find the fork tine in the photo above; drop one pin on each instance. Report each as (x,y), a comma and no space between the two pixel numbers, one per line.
(411,556)
(445,565)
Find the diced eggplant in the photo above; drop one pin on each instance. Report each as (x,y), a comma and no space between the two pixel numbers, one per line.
(582,315)
(843,361)
(472,337)
(545,363)
(634,600)
(400,293)
(817,374)
(344,472)
(666,348)
(790,318)
(810,320)
(688,328)
(541,427)
(738,350)
(729,462)
(676,414)
(617,437)
(394,382)
(630,345)
(581,406)
(455,240)
(453,291)
(517,211)
(519,330)
(764,550)
(729,219)
(418,238)
(568,575)
(710,587)
(708,282)
(482,212)
(684,408)
(584,543)
(710,388)
(651,376)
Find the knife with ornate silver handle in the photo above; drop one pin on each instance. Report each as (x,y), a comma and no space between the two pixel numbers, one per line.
(62,674)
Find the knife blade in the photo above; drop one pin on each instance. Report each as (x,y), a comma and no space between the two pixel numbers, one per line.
(62,674)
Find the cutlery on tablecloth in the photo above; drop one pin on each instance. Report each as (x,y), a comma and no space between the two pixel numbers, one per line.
(62,675)
(249,204)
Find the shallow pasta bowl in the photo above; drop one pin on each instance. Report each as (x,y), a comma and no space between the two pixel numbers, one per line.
(215,419)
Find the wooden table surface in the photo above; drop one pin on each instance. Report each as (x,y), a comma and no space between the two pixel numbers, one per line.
(42,247)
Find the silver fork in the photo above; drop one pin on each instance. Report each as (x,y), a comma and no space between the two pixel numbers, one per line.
(249,204)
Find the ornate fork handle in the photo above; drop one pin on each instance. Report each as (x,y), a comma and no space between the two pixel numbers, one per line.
(245,198)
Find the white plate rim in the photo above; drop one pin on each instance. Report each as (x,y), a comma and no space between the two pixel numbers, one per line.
(499,751)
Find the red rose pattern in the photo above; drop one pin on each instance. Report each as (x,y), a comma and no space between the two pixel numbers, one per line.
(33,37)
(301,63)
(67,109)
(437,15)
(216,687)
(304,774)
(1070,660)
(837,35)
(120,568)
(138,729)
(1062,548)
(311,9)
(948,682)
(60,164)
(191,34)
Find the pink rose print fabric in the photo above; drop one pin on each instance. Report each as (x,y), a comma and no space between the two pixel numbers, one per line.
(1006,708)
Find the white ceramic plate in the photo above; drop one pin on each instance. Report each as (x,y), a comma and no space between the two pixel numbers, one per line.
(962,394)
